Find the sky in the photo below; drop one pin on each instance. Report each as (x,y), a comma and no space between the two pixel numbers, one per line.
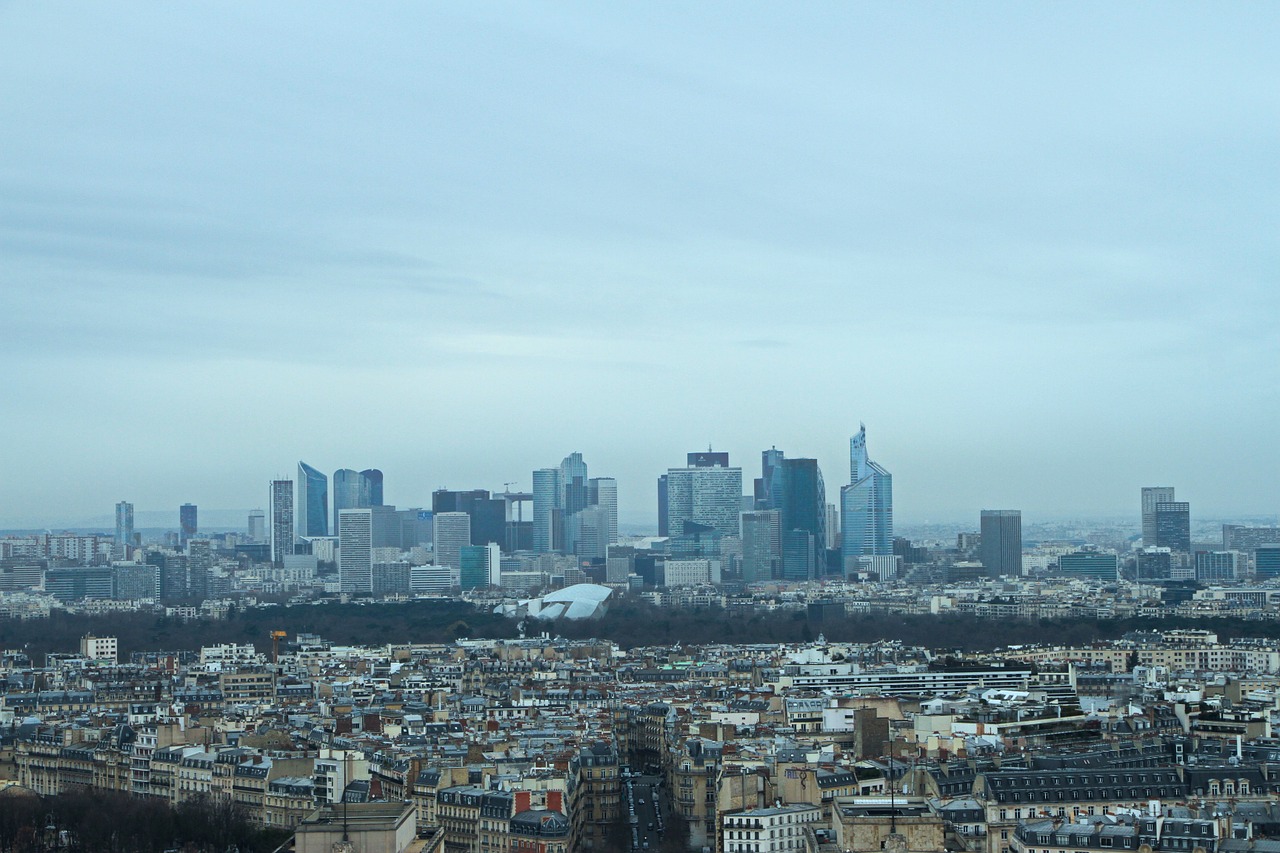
(1033,247)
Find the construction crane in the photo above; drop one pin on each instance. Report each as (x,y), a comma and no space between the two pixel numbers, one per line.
(276,637)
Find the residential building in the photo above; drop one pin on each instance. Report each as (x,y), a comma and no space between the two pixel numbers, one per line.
(281,520)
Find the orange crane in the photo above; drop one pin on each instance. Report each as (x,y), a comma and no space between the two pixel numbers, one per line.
(276,637)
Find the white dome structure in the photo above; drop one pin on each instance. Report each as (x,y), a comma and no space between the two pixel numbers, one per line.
(580,601)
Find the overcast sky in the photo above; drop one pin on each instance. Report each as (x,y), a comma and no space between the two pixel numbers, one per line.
(1032,246)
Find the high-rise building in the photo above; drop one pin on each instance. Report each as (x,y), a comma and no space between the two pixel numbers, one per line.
(355,551)
(1152,495)
(312,505)
(803,501)
(1001,547)
(481,566)
(257,526)
(561,493)
(187,523)
(1173,526)
(866,505)
(768,486)
(373,477)
(546,515)
(761,545)
(200,564)
(351,490)
(281,520)
(603,492)
(662,506)
(452,533)
(799,555)
(124,525)
(709,495)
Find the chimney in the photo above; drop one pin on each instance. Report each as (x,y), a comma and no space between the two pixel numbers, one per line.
(523,799)
(555,801)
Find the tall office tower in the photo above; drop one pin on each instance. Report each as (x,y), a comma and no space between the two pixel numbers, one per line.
(573,483)
(199,568)
(373,477)
(187,523)
(355,551)
(761,545)
(1173,526)
(488,514)
(124,524)
(1152,495)
(257,525)
(804,500)
(312,505)
(481,566)
(546,490)
(799,555)
(603,492)
(351,490)
(452,533)
(662,506)
(866,505)
(1001,547)
(281,520)
(704,495)
(588,530)
(768,486)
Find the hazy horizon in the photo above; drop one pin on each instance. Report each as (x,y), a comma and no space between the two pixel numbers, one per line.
(1032,247)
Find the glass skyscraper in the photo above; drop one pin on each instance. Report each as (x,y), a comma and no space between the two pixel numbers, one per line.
(312,505)
(124,524)
(355,490)
(866,505)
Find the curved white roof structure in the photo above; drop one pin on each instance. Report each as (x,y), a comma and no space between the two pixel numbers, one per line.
(580,601)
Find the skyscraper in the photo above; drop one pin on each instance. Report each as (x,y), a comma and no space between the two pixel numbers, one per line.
(373,477)
(768,487)
(866,505)
(804,501)
(546,515)
(312,506)
(257,525)
(351,490)
(187,523)
(705,494)
(452,533)
(1152,495)
(281,520)
(561,493)
(761,545)
(1173,526)
(124,524)
(1001,547)
(603,492)
(355,551)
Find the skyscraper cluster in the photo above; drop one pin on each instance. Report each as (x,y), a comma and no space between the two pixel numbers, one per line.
(574,513)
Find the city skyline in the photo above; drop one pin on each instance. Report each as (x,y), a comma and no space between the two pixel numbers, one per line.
(1053,226)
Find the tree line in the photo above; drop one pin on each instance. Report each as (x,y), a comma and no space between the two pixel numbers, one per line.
(629,622)
(87,820)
